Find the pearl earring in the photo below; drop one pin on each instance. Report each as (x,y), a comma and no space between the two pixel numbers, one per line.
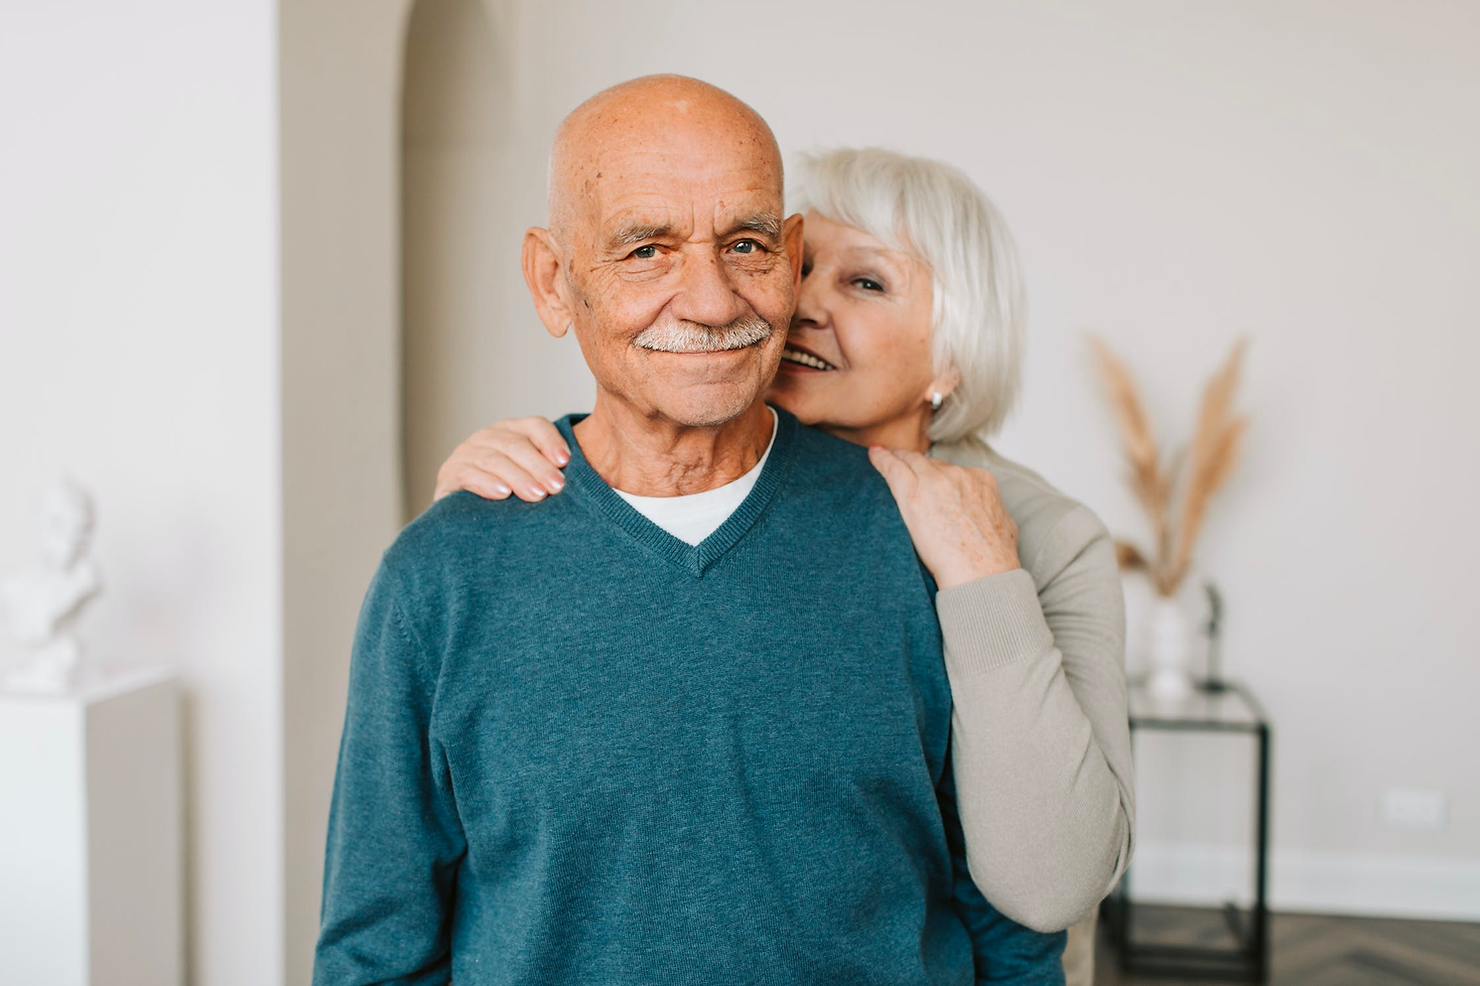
(936,399)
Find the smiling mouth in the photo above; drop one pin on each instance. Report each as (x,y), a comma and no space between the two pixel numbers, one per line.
(802,358)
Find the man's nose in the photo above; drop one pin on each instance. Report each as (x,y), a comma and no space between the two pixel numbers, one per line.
(706,292)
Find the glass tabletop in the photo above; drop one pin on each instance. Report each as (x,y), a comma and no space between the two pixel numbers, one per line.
(1232,707)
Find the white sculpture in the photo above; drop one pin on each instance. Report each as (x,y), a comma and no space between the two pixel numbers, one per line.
(39,608)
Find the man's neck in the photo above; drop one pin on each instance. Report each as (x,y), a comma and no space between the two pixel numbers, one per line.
(649,455)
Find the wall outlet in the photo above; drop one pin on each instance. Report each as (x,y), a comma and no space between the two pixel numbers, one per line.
(1424,810)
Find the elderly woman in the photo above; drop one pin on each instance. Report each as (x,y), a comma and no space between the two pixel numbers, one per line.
(908,339)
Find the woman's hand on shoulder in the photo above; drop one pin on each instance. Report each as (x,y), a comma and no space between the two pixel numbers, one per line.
(954,514)
(522,456)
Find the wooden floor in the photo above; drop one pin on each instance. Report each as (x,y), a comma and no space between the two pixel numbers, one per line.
(1317,950)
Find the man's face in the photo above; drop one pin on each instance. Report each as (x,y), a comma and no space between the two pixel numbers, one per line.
(682,276)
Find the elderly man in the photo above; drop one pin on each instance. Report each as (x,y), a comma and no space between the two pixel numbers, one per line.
(708,745)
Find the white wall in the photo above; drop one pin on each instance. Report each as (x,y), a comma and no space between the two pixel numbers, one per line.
(139,351)
(1178,175)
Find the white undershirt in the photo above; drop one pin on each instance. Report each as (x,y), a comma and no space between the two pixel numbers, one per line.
(694,516)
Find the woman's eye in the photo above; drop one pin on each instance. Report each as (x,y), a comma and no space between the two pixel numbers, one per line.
(645,252)
(868,284)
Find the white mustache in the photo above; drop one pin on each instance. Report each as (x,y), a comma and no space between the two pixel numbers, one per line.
(695,337)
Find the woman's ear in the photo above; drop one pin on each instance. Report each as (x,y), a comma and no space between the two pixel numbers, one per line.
(943,384)
(541,261)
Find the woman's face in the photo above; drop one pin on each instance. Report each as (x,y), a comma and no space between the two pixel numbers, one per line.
(858,360)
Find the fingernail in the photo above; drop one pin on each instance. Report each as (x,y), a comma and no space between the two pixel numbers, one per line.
(537,493)
(562,457)
(554,484)
(501,489)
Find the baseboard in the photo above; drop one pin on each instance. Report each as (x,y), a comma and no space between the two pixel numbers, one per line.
(1310,882)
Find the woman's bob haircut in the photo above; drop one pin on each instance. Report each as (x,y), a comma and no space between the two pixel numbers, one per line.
(932,210)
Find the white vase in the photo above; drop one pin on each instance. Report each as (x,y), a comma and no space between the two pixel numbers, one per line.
(1169,649)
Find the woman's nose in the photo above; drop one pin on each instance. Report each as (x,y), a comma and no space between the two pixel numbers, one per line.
(811,303)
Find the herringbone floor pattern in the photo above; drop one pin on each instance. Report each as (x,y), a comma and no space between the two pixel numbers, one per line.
(1319,950)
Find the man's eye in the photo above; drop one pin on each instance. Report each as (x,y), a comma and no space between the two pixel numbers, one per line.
(746,246)
(645,252)
(868,284)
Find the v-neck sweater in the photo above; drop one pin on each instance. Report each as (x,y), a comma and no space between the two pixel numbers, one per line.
(579,750)
(691,517)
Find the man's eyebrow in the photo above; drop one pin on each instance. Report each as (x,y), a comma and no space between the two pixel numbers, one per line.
(636,231)
(762,222)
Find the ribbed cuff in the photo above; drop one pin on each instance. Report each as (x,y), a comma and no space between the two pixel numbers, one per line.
(992,621)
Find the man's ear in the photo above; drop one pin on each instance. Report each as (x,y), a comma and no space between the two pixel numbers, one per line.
(791,235)
(541,261)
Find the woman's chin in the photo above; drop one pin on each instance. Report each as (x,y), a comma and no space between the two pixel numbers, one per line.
(808,412)
(794,393)
(786,398)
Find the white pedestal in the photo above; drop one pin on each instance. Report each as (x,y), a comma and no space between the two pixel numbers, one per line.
(90,835)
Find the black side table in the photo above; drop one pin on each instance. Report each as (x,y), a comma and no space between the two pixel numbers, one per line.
(1225,707)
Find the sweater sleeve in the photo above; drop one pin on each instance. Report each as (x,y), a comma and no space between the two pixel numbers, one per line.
(1040,737)
(1004,952)
(395,841)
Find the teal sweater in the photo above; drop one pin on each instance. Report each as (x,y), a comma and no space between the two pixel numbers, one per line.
(580,750)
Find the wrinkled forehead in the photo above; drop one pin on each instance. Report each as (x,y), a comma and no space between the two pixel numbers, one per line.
(688,190)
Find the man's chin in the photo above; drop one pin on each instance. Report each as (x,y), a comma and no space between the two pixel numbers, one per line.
(707,405)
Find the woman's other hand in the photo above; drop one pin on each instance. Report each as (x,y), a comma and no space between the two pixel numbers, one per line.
(954,514)
(522,456)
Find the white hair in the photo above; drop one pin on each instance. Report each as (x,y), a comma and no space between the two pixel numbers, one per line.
(934,211)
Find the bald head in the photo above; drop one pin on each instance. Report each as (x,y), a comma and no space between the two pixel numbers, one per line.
(685,121)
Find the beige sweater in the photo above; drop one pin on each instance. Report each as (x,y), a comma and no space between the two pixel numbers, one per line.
(1040,741)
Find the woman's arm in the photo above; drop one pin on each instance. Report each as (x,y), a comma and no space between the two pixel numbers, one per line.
(1040,742)
(1040,738)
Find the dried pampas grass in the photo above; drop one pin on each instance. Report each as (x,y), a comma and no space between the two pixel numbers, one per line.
(1175,492)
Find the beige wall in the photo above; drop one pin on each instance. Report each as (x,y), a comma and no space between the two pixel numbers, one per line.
(339,77)
(455,232)
(473,177)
